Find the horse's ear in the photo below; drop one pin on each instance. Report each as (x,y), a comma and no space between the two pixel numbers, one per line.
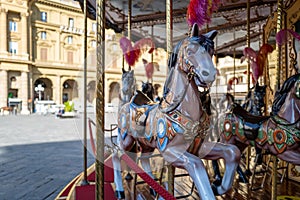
(211,34)
(123,70)
(195,31)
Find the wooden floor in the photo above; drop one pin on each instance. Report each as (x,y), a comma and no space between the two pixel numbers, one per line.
(287,190)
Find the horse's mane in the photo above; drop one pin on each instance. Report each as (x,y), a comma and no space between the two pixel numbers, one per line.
(229,96)
(282,93)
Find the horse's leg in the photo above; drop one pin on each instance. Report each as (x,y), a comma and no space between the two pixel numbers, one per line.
(145,162)
(230,153)
(242,176)
(119,193)
(125,145)
(195,168)
(132,154)
(217,176)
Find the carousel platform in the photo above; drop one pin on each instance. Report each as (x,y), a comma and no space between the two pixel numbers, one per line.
(287,189)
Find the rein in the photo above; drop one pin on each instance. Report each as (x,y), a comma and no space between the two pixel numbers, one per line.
(190,75)
(176,103)
(283,122)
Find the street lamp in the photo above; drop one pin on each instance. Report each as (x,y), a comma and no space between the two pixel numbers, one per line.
(39,89)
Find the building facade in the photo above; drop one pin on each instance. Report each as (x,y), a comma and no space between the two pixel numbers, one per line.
(42,55)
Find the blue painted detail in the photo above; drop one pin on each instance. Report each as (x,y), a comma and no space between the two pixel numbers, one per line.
(123,120)
(161,128)
(162,146)
(148,136)
(150,108)
(124,135)
(177,128)
(133,105)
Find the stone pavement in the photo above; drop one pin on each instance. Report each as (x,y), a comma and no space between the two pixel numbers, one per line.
(40,155)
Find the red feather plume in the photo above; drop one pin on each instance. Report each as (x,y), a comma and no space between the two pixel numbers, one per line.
(133,53)
(257,60)
(261,60)
(231,81)
(200,11)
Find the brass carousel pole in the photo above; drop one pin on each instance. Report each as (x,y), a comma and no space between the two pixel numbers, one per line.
(278,76)
(152,54)
(84,181)
(100,100)
(234,64)
(129,18)
(169,24)
(248,77)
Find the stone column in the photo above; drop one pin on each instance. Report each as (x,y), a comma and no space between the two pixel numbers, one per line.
(24,93)
(4,88)
(3,28)
(24,33)
(58,98)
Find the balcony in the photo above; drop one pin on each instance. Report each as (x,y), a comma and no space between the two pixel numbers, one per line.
(73,30)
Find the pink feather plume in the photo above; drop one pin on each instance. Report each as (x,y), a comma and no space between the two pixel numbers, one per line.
(257,60)
(200,11)
(283,36)
(149,68)
(133,53)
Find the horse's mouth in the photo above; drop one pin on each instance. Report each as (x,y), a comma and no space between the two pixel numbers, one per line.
(201,83)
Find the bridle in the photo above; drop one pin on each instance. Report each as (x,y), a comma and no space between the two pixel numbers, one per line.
(188,70)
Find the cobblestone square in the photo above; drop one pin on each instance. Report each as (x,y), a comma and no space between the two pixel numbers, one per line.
(39,155)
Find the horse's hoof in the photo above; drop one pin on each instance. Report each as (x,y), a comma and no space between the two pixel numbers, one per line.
(120,194)
(128,177)
(152,192)
(217,181)
(214,189)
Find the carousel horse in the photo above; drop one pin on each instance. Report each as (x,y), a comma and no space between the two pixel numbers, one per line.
(278,133)
(128,87)
(148,90)
(225,102)
(254,101)
(177,125)
(254,104)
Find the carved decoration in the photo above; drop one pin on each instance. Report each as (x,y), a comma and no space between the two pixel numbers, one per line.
(293,15)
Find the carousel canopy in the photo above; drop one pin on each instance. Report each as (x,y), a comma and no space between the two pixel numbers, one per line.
(148,19)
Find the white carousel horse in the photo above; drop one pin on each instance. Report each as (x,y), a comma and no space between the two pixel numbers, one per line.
(178,125)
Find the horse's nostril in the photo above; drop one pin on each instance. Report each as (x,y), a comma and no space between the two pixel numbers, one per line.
(205,73)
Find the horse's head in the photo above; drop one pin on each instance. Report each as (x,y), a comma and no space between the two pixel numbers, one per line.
(128,82)
(195,57)
(147,87)
(259,95)
(287,100)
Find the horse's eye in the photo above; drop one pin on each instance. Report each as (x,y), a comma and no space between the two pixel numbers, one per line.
(298,89)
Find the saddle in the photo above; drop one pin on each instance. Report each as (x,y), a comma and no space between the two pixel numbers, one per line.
(251,122)
(142,105)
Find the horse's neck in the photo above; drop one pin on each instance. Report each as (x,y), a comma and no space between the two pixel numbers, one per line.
(124,98)
(290,110)
(150,95)
(191,105)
